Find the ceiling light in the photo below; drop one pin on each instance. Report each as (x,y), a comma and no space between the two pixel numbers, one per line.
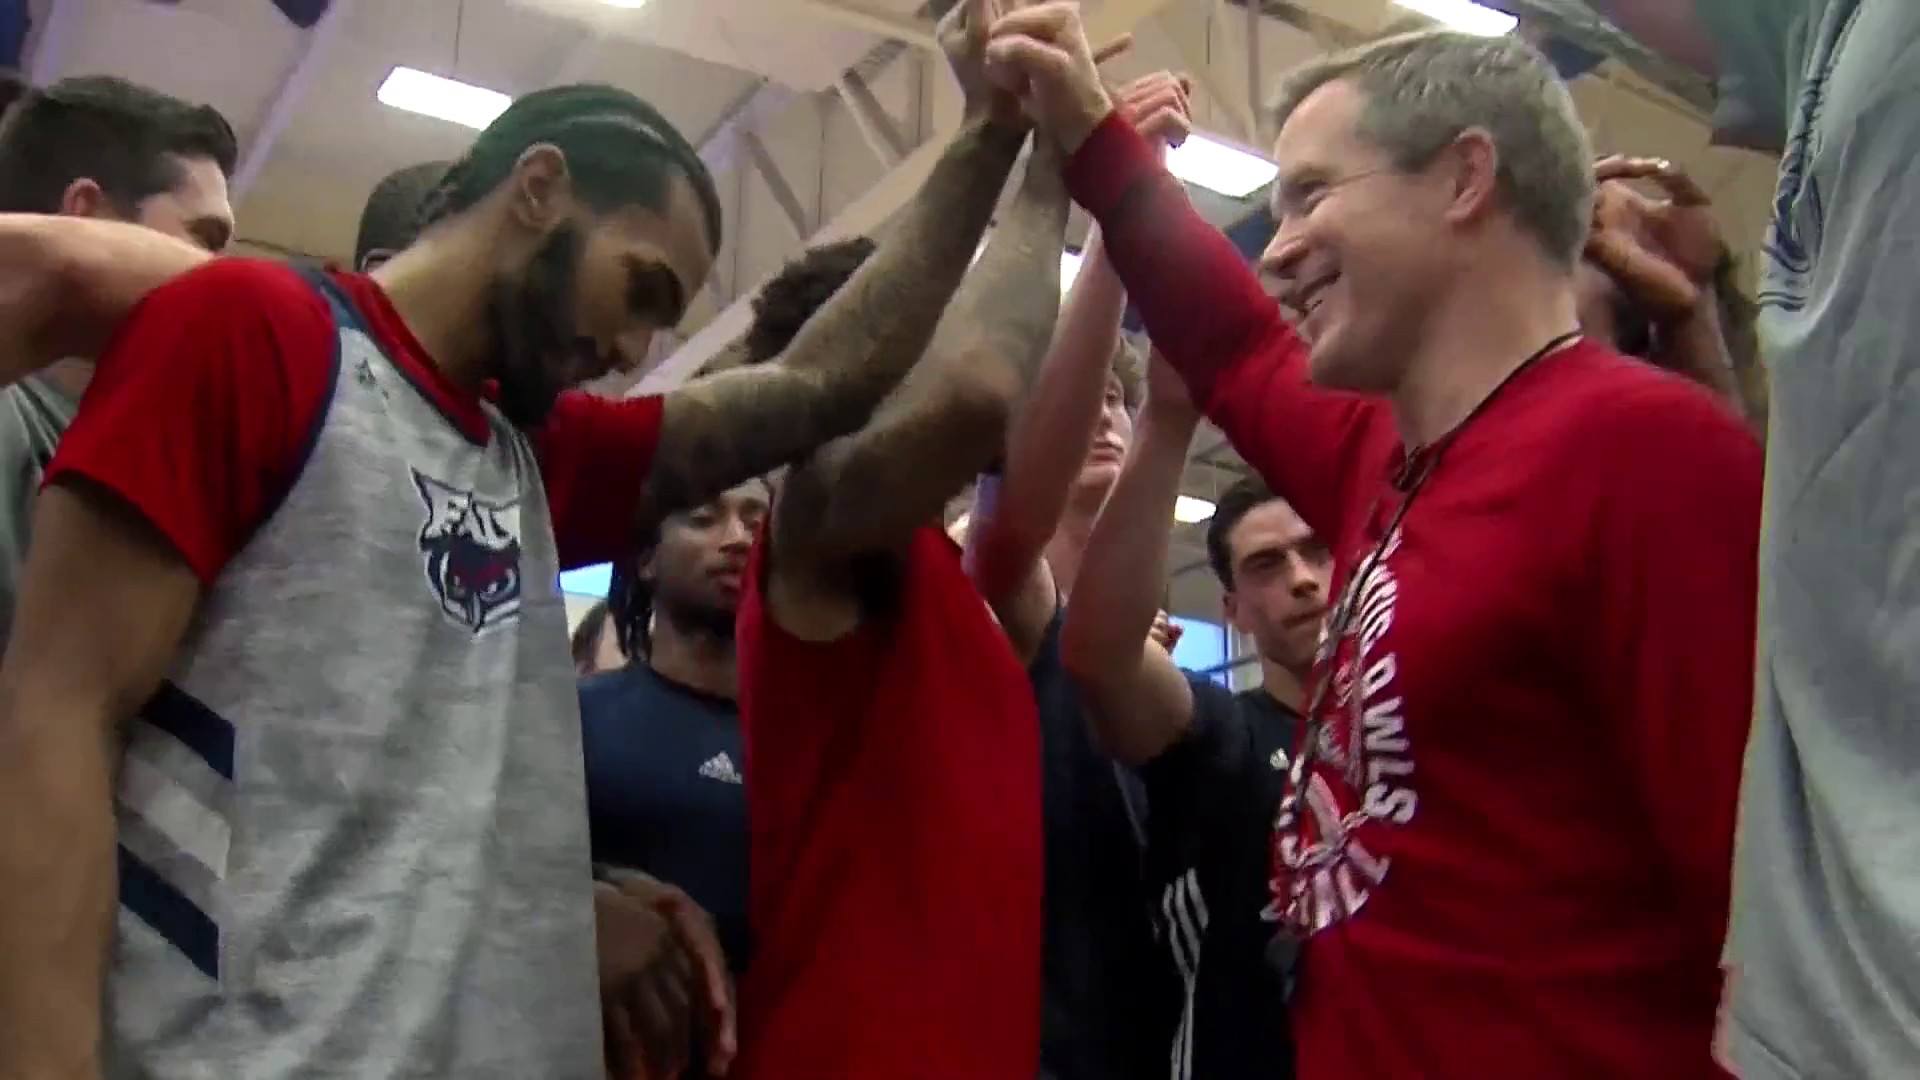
(1069,269)
(1216,166)
(1188,510)
(625,3)
(1464,16)
(442,99)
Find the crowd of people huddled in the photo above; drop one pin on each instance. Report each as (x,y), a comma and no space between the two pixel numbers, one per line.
(297,777)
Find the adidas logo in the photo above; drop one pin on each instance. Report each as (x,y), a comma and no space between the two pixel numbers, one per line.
(720,767)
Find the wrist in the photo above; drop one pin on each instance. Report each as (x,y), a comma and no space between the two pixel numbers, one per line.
(1092,110)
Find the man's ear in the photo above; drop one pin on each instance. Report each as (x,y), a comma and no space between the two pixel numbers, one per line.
(84,198)
(542,191)
(1230,606)
(1475,162)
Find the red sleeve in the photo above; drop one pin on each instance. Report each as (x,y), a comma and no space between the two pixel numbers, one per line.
(202,409)
(595,455)
(1676,541)
(1205,310)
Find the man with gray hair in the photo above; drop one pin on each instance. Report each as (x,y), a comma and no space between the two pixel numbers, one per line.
(1502,849)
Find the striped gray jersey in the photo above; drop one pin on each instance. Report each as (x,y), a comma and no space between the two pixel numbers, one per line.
(352,826)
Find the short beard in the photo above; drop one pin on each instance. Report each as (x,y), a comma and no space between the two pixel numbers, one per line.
(534,339)
(698,620)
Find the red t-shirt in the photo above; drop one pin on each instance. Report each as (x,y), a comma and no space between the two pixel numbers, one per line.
(1538,719)
(893,798)
(202,410)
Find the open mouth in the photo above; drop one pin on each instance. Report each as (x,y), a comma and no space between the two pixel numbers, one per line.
(1305,619)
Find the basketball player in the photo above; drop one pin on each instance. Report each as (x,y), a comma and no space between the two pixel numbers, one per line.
(1102,1017)
(666,792)
(95,147)
(1213,761)
(892,752)
(296,580)
(1553,546)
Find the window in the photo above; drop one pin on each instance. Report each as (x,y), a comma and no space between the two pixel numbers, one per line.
(591,581)
(1203,646)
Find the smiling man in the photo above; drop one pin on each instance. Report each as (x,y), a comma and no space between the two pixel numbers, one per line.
(292,760)
(1543,556)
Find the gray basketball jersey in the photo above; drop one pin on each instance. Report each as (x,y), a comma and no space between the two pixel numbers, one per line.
(352,826)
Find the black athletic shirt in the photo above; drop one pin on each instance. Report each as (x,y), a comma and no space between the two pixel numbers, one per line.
(1105,1010)
(664,790)
(1214,795)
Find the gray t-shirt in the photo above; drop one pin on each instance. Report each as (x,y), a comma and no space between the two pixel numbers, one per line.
(33,415)
(1825,938)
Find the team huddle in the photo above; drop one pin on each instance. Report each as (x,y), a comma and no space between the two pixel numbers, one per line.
(298,778)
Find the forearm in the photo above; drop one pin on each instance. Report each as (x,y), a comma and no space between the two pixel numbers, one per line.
(57,888)
(68,282)
(1126,554)
(1695,347)
(1051,432)
(1201,303)
(718,431)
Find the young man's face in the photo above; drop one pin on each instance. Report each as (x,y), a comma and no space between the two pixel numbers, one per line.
(698,566)
(1110,441)
(1281,575)
(195,209)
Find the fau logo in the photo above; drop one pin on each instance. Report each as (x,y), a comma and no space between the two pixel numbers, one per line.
(473,553)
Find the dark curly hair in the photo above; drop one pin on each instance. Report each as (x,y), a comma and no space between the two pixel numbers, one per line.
(620,152)
(121,135)
(1243,497)
(801,288)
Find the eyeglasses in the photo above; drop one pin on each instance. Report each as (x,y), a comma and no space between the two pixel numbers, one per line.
(1298,198)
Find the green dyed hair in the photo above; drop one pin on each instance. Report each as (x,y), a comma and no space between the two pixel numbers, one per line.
(620,152)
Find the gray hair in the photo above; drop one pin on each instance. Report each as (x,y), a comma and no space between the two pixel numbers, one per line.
(1424,89)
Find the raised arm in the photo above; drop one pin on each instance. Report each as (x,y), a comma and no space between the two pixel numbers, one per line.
(68,281)
(948,420)
(1138,701)
(716,432)
(1017,512)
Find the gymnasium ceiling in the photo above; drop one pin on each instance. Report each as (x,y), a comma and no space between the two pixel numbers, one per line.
(819,116)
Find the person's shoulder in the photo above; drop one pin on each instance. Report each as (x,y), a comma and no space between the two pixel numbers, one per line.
(603,686)
(243,280)
(1600,393)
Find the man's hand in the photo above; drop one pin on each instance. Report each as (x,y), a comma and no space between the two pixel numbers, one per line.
(1165,633)
(657,950)
(1040,54)
(963,37)
(1158,106)
(1662,251)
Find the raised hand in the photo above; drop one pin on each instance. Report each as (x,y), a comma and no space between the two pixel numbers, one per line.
(1661,250)
(1165,633)
(646,975)
(963,37)
(1040,53)
(1158,106)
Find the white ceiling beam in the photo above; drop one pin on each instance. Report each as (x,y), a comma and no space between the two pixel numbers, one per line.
(884,23)
(867,213)
(317,42)
(776,181)
(1240,113)
(49,52)
(876,127)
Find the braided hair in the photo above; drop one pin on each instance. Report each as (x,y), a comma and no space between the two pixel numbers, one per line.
(620,151)
(630,607)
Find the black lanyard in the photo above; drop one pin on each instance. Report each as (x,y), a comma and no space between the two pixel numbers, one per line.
(1283,951)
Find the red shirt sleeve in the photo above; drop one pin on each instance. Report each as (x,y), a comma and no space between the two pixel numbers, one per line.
(1207,313)
(202,409)
(595,456)
(1676,547)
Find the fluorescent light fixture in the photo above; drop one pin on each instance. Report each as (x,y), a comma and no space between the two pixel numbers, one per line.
(1069,269)
(443,99)
(625,3)
(1464,16)
(1188,510)
(1216,166)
